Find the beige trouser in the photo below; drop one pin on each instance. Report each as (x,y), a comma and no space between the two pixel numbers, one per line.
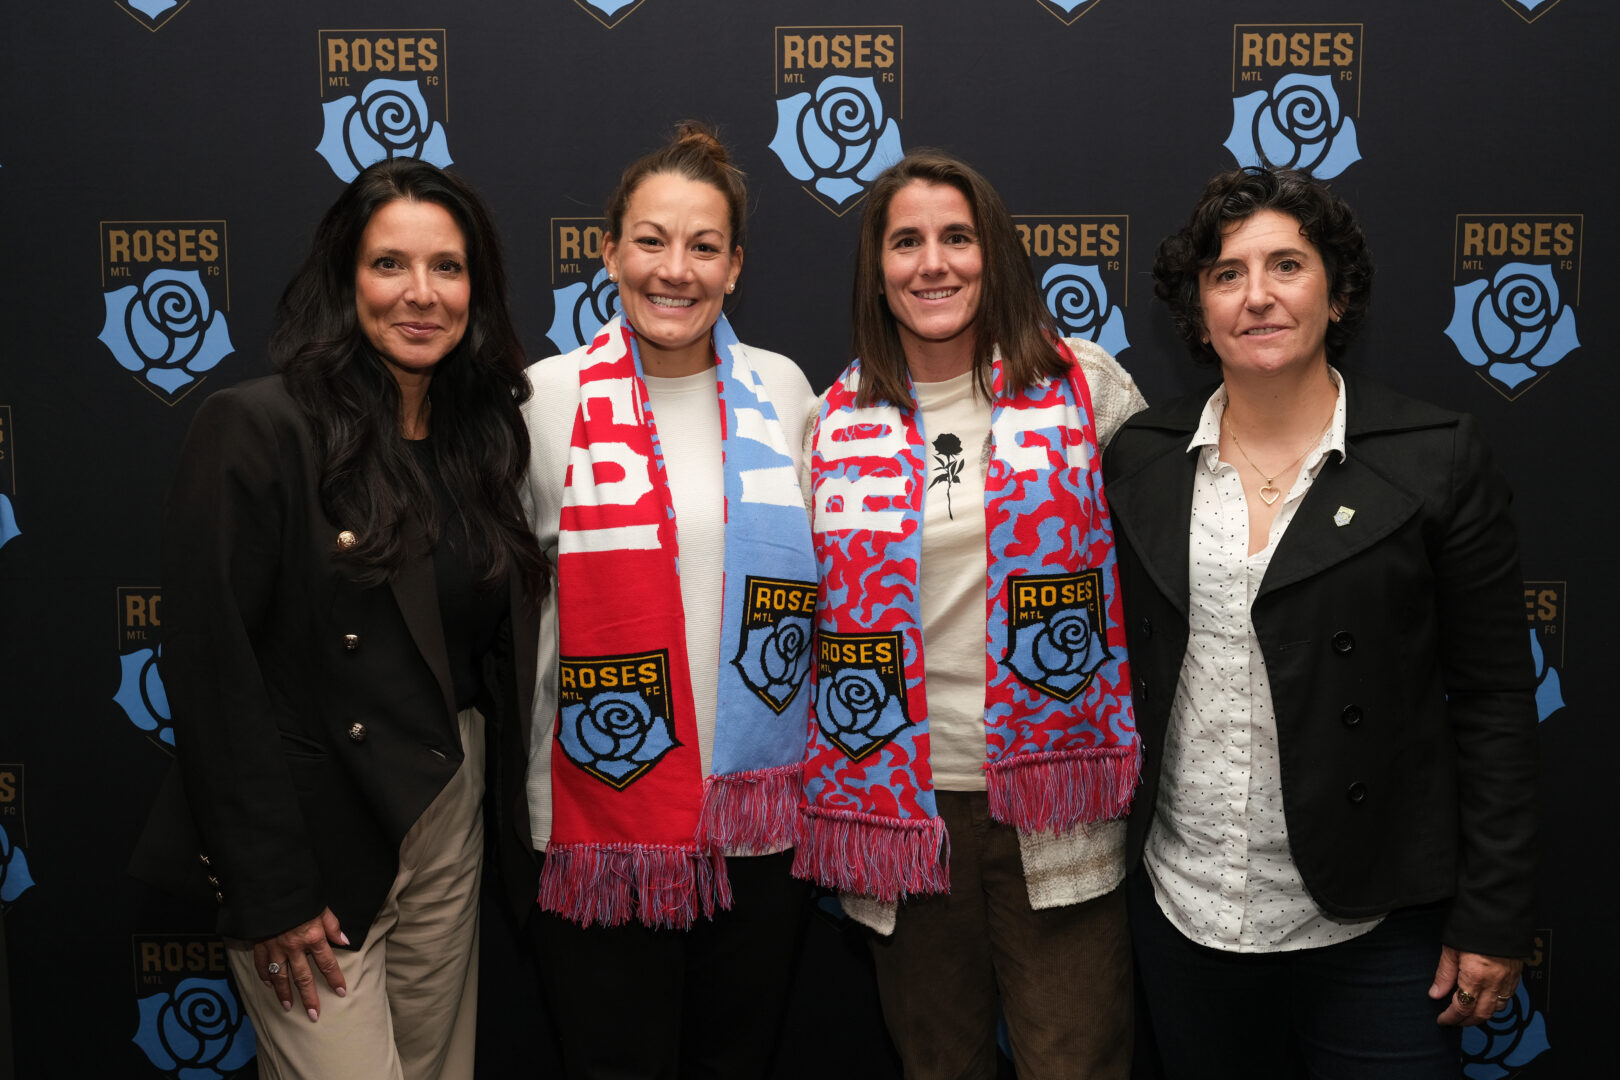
(412,1005)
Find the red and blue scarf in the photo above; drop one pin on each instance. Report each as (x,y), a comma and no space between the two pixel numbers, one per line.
(638,832)
(1060,730)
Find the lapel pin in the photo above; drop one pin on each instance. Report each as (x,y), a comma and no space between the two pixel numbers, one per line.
(1342,516)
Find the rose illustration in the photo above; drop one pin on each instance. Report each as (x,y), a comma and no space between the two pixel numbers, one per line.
(948,456)
(8,521)
(1078,300)
(857,711)
(609,7)
(837,136)
(615,733)
(1515,326)
(1060,653)
(774,659)
(199,1033)
(1515,1036)
(1298,125)
(14,877)
(1549,690)
(389,119)
(141,694)
(166,329)
(580,310)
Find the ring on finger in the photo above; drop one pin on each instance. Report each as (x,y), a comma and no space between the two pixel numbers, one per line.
(273,968)
(1465,998)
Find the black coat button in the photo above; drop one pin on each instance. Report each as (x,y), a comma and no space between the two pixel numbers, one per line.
(351,642)
(1356,792)
(1147,627)
(1351,715)
(1344,642)
(1142,691)
(357,731)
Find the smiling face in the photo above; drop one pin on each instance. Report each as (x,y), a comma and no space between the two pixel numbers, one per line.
(411,288)
(1265,299)
(933,265)
(675,263)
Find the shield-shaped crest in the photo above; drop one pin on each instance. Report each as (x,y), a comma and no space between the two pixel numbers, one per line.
(860,690)
(615,716)
(1055,640)
(773,643)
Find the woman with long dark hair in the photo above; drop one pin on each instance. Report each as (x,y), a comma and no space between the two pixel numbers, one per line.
(973,746)
(348,588)
(670,714)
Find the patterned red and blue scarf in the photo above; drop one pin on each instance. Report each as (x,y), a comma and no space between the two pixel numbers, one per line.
(1060,730)
(638,832)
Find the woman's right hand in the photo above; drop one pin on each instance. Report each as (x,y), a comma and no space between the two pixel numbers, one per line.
(291,952)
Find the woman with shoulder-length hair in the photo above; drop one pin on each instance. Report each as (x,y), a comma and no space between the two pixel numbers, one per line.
(349,600)
(670,716)
(974,744)
(1336,827)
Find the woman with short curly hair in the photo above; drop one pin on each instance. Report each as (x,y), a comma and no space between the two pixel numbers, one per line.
(1335,829)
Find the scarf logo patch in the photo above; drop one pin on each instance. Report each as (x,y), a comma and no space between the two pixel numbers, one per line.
(860,690)
(1055,631)
(615,714)
(773,650)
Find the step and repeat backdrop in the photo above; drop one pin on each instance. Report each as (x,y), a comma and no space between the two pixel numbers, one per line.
(163,162)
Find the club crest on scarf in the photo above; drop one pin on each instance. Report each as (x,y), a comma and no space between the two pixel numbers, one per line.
(615,719)
(773,651)
(1055,625)
(860,690)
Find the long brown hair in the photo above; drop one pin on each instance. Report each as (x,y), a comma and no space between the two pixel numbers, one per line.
(1011,315)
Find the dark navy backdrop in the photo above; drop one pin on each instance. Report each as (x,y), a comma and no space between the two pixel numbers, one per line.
(162,164)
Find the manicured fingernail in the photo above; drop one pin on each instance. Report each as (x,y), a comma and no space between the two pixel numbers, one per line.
(314,1015)
(343,937)
(342,991)
(286,1005)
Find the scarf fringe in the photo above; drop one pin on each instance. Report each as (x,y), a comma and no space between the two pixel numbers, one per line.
(611,884)
(1060,789)
(885,858)
(753,811)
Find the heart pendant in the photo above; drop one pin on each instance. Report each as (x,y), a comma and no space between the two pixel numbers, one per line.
(1269,493)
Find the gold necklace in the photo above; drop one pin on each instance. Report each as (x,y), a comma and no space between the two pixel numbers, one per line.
(1270,485)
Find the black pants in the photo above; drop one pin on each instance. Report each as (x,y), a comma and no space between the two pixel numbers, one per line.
(1356,1010)
(634,1003)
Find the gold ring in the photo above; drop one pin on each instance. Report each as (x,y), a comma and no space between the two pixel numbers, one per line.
(1464,997)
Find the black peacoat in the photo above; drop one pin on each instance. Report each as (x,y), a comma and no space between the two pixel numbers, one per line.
(1397,650)
(314,718)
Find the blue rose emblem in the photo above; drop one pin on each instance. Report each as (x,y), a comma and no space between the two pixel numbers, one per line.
(14,876)
(1060,653)
(198,1033)
(857,710)
(1549,690)
(141,694)
(1515,326)
(1515,1036)
(836,136)
(580,310)
(1078,300)
(774,659)
(166,329)
(615,735)
(152,8)
(1298,125)
(8,521)
(610,7)
(389,119)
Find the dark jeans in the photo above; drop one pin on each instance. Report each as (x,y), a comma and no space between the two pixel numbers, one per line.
(635,1003)
(1357,1010)
(1063,974)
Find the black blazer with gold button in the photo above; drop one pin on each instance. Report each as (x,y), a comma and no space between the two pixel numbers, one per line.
(1397,651)
(314,718)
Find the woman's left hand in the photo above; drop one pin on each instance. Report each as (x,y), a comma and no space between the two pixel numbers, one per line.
(1478,985)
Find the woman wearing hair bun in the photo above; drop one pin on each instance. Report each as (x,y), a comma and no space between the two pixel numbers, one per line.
(671,709)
